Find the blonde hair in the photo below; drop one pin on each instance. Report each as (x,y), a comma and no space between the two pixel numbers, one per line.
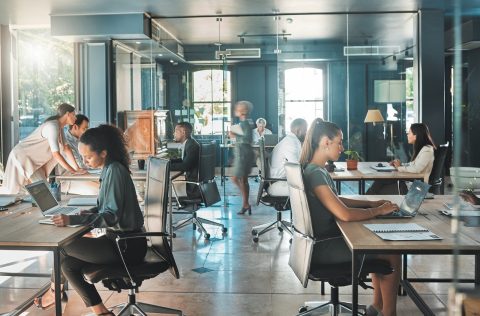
(244,107)
(317,130)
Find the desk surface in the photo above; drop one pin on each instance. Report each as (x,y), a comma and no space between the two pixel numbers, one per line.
(365,172)
(360,238)
(19,228)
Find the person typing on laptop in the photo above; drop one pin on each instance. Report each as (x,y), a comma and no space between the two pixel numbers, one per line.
(323,142)
(422,161)
(117,210)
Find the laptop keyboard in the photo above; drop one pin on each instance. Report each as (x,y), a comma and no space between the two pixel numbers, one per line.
(63,210)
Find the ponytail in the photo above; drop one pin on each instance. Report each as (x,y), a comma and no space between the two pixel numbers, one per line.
(61,111)
(317,130)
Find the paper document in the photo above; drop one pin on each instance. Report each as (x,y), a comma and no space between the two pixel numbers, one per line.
(400,231)
(236,129)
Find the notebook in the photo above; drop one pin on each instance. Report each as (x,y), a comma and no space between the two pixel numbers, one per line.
(398,231)
(383,167)
(412,201)
(44,198)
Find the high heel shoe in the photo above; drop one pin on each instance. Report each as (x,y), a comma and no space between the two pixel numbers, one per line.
(244,210)
(38,304)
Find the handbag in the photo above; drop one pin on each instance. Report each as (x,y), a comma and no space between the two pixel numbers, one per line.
(209,192)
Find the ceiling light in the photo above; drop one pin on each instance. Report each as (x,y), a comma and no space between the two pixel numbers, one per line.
(160,55)
(137,42)
(289,20)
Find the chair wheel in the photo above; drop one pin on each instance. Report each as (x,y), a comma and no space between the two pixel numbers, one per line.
(280,229)
(290,241)
(254,232)
(206,236)
(174,235)
(224,229)
(255,239)
(303,309)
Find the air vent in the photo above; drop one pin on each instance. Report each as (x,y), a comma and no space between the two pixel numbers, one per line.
(370,50)
(166,39)
(239,53)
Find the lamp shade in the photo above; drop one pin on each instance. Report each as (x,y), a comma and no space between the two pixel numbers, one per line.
(373,116)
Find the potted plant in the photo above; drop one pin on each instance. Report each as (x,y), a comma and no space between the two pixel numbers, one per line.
(353,157)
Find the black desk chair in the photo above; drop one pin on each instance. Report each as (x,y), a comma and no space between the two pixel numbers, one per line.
(303,242)
(159,256)
(209,194)
(280,203)
(438,170)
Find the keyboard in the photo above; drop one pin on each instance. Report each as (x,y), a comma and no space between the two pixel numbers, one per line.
(67,210)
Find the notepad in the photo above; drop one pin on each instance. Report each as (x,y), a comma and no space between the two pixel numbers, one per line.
(402,231)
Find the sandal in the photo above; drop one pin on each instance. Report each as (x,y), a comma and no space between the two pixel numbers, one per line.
(39,300)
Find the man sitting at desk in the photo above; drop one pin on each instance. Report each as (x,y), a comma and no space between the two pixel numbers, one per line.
(188,162)
(288,149)
(72,137)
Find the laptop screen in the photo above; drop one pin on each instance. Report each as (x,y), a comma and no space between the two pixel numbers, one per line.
(415,196)
(42,195)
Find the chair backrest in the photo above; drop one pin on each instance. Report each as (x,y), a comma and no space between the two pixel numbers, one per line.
(156,206)
(436,176)
(264,168)
(303,235)
(207,161)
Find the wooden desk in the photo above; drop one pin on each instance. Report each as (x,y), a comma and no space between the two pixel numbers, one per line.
(366,173)
(361,241)
(20,230)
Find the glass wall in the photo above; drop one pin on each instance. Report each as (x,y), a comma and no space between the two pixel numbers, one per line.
(45,68)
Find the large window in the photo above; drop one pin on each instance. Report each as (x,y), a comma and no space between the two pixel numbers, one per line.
(303,94)
(211,100)
(45,77)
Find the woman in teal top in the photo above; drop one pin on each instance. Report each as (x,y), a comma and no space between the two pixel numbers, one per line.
(117,210)
(243,153)
(322,143)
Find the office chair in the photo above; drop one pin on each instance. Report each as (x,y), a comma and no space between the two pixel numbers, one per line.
(206,179)
(436,176)
(280,203)
(303,243)
(159,256)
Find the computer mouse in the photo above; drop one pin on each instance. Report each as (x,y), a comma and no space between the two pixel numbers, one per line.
(380,164)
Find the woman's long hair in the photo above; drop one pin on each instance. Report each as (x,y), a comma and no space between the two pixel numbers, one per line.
(423,138)
(61,111)
(317,130)
(110,139)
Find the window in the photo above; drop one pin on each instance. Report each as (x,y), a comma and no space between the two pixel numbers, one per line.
(211,101)
(410,109)
(45,77)
(303,94)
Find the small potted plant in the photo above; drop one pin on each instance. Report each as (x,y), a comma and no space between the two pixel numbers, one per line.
(353,157)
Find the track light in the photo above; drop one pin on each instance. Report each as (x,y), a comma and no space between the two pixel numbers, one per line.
(394,57)
(383,61)
(242,40)
(407,53)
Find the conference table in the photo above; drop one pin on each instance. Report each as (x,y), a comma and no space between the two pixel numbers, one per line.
(365,172)
(20,230)
(362,241)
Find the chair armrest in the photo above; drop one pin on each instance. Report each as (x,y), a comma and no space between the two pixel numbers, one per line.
(132,236)
(139,235)
(180,173)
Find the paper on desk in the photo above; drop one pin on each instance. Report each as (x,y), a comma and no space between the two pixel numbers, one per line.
(409,236)
(236,129)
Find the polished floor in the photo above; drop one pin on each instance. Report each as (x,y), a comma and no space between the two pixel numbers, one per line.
(229,275)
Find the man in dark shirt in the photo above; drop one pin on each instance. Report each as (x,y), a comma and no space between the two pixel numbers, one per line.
(190,157)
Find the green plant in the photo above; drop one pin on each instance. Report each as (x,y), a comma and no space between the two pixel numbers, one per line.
(353,155)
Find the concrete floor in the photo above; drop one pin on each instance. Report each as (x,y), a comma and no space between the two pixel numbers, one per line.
(241,277)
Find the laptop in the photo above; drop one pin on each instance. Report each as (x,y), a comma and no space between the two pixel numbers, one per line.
(383,167)
(411,204)
(270,139)
(44,198)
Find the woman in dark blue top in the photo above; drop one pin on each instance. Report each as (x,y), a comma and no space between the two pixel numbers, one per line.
(117,210)
(322,143)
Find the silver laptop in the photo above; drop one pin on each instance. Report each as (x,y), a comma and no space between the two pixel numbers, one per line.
(411,204)
(44,198)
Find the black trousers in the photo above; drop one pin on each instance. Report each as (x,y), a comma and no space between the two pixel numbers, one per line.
(85,251)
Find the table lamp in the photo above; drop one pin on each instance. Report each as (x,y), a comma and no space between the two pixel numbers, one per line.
(374,116)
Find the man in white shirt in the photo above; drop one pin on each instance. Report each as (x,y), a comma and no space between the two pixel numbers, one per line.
(260,130)
(288,149)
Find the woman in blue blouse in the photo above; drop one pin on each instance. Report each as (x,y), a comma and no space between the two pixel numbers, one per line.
(117,210)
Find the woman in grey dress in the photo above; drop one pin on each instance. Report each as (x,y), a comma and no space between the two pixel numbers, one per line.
(243,153)
(323,143)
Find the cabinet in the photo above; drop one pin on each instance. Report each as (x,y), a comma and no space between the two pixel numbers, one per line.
(144,131)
